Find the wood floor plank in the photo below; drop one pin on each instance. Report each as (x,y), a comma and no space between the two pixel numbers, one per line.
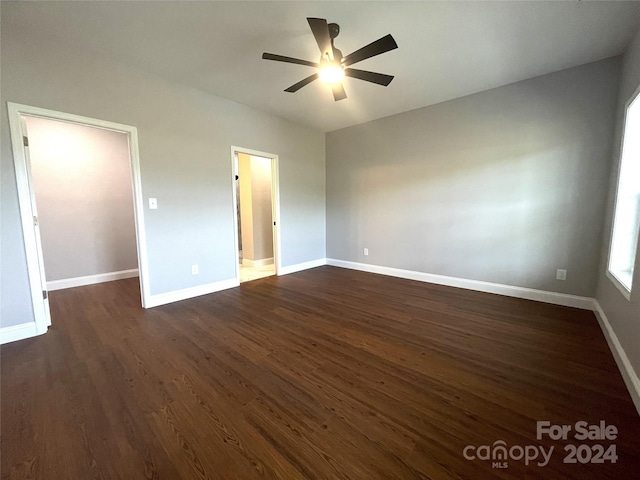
(326,373)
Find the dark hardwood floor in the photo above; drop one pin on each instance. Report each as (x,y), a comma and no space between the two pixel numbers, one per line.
(323,374)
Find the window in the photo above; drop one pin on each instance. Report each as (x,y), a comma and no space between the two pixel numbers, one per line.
(626,222)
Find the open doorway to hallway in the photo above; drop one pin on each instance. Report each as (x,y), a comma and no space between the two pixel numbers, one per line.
(255,188)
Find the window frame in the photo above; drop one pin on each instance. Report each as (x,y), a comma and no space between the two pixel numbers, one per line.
(626,292)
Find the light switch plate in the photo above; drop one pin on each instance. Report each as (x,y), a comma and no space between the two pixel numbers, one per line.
(153,203)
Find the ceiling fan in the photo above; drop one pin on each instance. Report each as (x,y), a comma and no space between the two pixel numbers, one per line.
(332,66)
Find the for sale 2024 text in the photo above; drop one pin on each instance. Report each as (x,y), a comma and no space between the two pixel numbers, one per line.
(581,431)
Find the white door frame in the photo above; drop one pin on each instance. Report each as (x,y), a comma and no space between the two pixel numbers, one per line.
(26,200)
(275,205)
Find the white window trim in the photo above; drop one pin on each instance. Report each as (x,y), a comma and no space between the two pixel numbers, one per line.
(618,284)
(626,292)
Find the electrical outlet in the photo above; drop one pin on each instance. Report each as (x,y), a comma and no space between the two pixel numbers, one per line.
(366,252)
(561,274)
(194,269)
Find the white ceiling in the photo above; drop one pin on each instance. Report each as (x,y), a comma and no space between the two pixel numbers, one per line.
(446,49)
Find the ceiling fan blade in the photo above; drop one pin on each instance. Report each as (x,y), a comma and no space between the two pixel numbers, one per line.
(281,58)
(373,77)
(338,91)
(320,30)
(294,88)
(381,45)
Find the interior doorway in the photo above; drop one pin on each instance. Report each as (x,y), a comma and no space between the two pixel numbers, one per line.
(255,202)
(60,203)
(82,187)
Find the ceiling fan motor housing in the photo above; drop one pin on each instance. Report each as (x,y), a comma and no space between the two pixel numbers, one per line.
(337,58)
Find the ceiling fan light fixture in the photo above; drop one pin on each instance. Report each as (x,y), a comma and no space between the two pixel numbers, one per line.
(332,66)
(331,73)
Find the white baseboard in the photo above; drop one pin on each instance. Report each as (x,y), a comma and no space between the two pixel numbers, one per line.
(186,293)
(90,279)
(18,332)
(624,365)
(257,263)
(298,267)
(585,303)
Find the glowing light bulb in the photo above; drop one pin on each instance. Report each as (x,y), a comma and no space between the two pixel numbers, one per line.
(331,73)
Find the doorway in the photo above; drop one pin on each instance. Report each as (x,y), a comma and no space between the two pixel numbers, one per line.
(83,191)
(256,212)
(36,135)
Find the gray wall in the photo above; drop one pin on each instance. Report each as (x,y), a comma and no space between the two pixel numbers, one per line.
(623,315)
(185,152)
(82,180)
(262,211)
(502,186)
(246,205)
(255,207)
